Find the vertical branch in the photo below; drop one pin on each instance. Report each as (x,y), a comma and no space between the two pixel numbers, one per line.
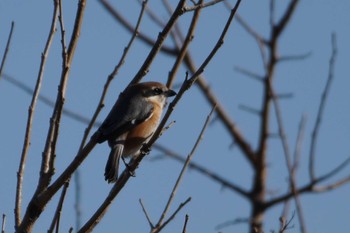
(185,224)
(6,48)
(36,205)
(259,186)
(321,108)
(292,181)
(48,156)
(3,223)
(27,137)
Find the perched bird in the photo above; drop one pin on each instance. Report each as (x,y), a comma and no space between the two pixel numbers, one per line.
(132,122)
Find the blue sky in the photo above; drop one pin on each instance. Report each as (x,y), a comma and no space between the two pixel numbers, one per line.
(101,44)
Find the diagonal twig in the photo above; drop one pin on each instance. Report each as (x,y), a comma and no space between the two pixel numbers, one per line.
(185,224)
(184,168)
(146,214)
(7,48)
(224,182)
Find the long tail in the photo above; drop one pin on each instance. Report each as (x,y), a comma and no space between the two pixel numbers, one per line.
(112,166)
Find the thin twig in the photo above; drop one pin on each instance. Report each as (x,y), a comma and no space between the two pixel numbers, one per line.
(56,219)
(232,222)
(249,74)
(202,5)
(7,48)
(183,204)
(294,57)
(184,168)
(321,108)
(285,225)
(185,224)
(296,156)
(146,214)
(27,137)
(48,156)
(3,223)
(183,50)
(311,186)
(292,180)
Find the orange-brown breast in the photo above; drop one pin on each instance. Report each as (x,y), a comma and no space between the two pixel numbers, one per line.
(142,133)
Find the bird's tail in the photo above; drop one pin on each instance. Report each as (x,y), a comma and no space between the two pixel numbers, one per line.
(112,166)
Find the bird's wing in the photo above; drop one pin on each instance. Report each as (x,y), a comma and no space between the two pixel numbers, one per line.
(124,116)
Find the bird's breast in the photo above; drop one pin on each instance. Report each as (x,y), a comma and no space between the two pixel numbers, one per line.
(141,134)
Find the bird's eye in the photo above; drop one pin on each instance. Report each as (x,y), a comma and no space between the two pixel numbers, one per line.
(157,91)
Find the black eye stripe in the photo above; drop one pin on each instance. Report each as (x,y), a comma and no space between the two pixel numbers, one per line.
(157,91)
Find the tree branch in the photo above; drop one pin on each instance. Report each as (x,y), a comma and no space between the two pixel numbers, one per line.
(27,136)
(7,48)
(321,108)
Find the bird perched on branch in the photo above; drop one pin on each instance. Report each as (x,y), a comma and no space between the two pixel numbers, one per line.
(132,122)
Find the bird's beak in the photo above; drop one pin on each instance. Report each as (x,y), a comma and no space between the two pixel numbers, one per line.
(169,93)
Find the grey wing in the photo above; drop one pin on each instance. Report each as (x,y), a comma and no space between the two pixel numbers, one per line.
(124,116)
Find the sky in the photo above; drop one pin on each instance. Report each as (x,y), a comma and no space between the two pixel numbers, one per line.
(100,46)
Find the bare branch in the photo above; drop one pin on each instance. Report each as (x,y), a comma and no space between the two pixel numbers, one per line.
(3,223)
(202,5)
(321,108)
(332,186)
(183,50)
(185,224)
(285,225)
(249,109)
(289,164)
(146,214)
(249,74)
(27,137)
(232,222)
(7,48)
(175,213)
(311,186)
(56,219)
(34,208)
(281,25)
(298,144)
(294,57)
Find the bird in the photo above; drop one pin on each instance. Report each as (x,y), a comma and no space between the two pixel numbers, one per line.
(131,122)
